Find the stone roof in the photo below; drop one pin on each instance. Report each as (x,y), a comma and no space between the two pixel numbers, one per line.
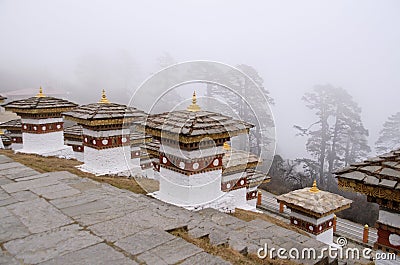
(39,104)
(14,124)
(2,97)
(99,113)
(138,139)
(381,171)
(238,160)
(319,204)
(256,178)
(196,125)
(74,130)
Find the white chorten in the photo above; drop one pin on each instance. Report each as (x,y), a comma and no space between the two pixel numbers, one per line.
(312,210)
(106,137)
(42,124)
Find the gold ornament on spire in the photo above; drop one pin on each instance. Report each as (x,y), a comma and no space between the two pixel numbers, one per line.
(194,107)
(314,187)
(104,98)
(226,146)
(40,94)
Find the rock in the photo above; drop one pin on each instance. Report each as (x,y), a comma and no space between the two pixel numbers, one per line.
(50,244)
(144,241)
(97,254)
(39,215)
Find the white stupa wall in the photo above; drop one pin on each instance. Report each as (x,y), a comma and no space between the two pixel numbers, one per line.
(149,173)
(79,156)
(326,236)
(16,146)
(239,197)
(106,161)
(40,143)
(182,190)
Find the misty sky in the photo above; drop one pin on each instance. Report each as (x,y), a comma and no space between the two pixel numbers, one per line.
(294,45)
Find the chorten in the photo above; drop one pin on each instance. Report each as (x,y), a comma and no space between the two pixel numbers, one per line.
(42,124)
(188,145)
(106,136)
(312,210)
(379,179)
(138,155)
(73,137)
(240,177)
(13,129)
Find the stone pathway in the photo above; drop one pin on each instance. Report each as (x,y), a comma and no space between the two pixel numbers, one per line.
(60,218)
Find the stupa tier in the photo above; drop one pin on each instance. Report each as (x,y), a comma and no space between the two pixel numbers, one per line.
(5,141)
(106,136)
(189,146)
(240,177)
(73,137)
(13,129)
(379,179)
(312,210)
(42,124)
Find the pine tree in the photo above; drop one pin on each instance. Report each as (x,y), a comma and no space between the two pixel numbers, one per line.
(389,138)
(338,136)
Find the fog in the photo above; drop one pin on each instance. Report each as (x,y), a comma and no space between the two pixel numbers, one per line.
(77,48)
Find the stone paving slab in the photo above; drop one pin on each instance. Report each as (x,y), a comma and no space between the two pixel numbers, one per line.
(79,199)
(5,180)
(26,185)
(171,252)
(56,191)
(4,166)
(50,244)
(24,195)
(204,258)
(18,172)
(7,259)
(5,159)
(144,241)
(118,228)
(32,213)
(10,226)
(97,254)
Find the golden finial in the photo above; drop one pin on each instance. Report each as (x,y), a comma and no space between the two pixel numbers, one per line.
(314,187)
(194,107)
(226,146)
(40,94)
(104,97)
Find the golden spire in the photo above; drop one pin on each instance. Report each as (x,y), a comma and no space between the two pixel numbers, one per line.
(40,94)
(194,107)
(226,146)
(314,187)
(104,97)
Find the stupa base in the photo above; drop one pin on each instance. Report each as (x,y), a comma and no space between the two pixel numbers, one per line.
(225,203)
(63,152)
(124,171)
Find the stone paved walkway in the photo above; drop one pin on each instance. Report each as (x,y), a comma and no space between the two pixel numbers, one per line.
(60,218)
